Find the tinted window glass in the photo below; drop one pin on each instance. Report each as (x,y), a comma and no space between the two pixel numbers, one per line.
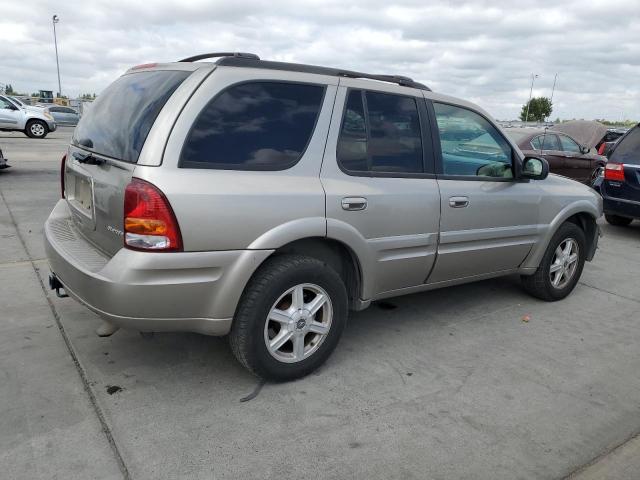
(118,122)
(628,149)
(470,145)
(546,141)
(387,139)
(254,126)
(395,143)
(352,144)
(568,145)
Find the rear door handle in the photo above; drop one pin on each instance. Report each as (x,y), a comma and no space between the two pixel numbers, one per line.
(354,203)
(458,202)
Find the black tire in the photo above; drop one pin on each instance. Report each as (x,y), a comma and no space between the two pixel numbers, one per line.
(268,284)
(36,129)
(539,284)
(617,220)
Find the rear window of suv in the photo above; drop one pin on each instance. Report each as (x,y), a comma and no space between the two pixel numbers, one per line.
(262,125)
(628,148)
(119,120)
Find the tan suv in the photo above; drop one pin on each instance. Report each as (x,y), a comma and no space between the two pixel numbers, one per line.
(264,200)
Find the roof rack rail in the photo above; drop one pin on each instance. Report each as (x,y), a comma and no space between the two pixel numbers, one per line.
(251,56)
(254,62)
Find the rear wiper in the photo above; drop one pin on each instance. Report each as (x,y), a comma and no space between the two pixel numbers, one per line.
(88,159)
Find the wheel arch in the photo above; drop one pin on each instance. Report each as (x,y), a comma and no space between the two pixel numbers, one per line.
(337,255)
(582,213)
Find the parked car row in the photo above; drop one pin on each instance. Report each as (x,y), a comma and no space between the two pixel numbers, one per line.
(35,121)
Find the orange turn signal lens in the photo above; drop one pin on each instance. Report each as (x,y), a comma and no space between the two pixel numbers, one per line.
(144,226)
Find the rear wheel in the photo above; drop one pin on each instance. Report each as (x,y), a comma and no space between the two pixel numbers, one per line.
(618,220)
(289,318)
(561,266)
(36,129)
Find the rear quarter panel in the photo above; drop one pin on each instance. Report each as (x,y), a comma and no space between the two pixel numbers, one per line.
(234,210)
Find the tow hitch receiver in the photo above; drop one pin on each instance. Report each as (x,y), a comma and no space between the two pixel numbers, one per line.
(56,285)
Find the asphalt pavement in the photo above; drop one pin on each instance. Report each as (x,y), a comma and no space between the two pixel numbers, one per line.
(448,384)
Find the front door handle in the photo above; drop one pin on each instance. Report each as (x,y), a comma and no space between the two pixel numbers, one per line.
(458,202)
(354,203)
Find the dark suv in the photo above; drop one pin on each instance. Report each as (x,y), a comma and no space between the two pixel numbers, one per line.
(620,187)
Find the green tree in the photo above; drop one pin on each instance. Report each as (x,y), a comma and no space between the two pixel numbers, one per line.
(8,89)
(539,109)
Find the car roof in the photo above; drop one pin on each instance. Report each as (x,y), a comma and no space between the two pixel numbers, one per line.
(250,60)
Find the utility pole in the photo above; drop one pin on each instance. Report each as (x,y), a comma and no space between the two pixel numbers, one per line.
(533,77)
(553,89)
(55,19)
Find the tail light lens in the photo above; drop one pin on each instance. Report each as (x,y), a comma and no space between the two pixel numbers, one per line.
(63,164)
(614,171)
(149,221)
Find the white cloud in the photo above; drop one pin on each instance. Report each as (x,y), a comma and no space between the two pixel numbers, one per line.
(481,51)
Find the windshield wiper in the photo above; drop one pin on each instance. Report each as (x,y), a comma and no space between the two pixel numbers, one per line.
(88,159)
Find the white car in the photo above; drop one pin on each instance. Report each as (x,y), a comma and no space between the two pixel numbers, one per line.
(33,121)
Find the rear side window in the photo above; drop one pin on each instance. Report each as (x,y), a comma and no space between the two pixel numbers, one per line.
(254,126)
(385,139)
(628,148)
(119,120)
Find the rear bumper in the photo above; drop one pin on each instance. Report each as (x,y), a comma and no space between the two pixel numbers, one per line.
(179,291)
(621,207)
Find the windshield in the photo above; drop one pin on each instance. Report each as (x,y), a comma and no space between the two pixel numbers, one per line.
(118,122)
(18,101)
(627,150)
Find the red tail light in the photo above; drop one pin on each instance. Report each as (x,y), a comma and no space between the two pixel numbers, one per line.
(149,221)
(63,163)
(614,171)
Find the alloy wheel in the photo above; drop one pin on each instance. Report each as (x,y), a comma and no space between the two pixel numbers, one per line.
(298,323)
(564,263)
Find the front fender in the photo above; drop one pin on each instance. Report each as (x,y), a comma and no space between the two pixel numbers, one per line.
(581,206)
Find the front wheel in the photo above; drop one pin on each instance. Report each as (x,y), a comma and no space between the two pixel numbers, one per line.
(618,220)
(561,266)
(290,317)
(36,129)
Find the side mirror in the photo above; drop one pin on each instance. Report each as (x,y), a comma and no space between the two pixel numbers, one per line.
(535,168)
(584,149)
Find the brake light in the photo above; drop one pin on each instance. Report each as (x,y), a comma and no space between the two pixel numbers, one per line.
(149,221)
(144,65)
(614,171)
(63,163)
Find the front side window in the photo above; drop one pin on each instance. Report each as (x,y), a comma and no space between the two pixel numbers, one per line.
(546,141)
(5,103)
(470,145)
(387,139)
(568,145)
(259,125)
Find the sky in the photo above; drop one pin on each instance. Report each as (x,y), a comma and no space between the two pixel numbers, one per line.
(484,51)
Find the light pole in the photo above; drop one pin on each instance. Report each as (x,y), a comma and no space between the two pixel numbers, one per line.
(553,89)
(55,19)
(533,77)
